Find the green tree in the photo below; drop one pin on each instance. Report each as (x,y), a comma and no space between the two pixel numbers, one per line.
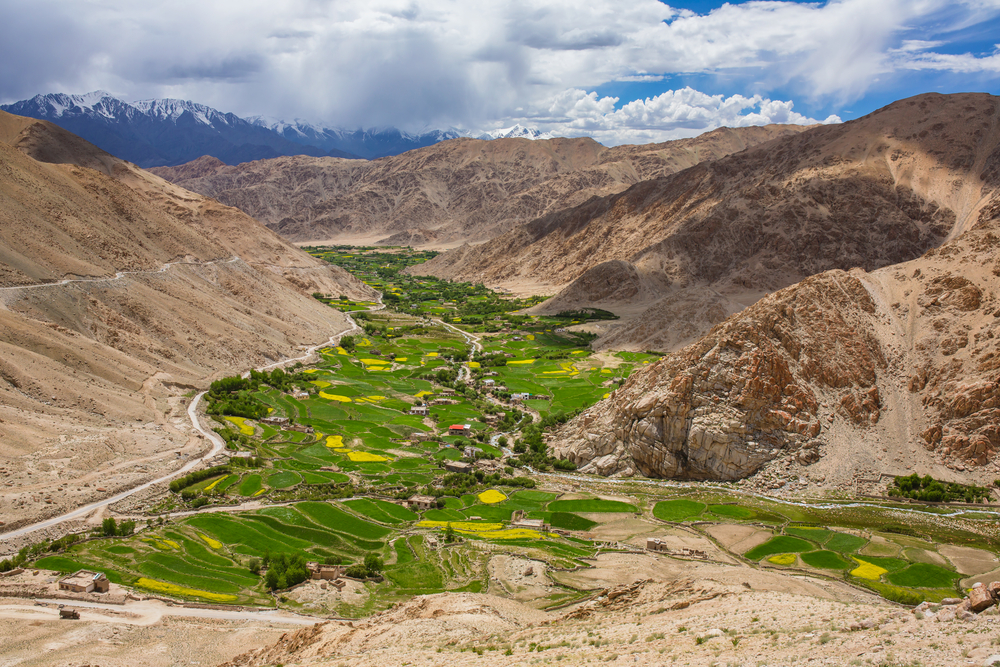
(373,565)
(109,527)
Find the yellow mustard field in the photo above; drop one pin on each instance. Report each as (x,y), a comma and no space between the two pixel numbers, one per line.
(491,496)
(334,397)
(867,570)
(214,543)
(783,559)
(365,457)
(174,589)
(334,441)
(241,423)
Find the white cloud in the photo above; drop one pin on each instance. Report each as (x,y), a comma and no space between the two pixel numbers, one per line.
(414,63)
(671,115)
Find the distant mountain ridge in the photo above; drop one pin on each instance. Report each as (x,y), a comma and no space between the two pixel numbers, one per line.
(170,132)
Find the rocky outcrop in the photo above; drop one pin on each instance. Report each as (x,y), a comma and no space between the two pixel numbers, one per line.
(748,390)
(907,356)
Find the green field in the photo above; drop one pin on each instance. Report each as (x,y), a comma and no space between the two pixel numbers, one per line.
(678,510)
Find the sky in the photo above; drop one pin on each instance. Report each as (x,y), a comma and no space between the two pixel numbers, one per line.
(625,71)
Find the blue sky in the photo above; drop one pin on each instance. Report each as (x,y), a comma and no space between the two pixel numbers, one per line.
(622,71)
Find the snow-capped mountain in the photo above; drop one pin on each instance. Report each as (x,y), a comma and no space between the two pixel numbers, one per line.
(369,143)
(154,133)
(516,132)
(169,132)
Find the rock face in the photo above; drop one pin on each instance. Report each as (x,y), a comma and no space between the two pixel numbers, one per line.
(454,191)
(868,193)
(907,357)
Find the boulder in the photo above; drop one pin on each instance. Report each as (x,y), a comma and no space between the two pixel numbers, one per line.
(980,599)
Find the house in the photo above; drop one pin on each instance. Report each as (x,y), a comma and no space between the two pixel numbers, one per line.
(85,581)
(280,421)
(322,571)
(491,419)
(500,389)
(447,392)
(470,452)
(518,520)
(421,502)
(458,466)
(460,429)
(242,455)
(489,382)
(300,428)
(422,410)
(301,394)
(443,401)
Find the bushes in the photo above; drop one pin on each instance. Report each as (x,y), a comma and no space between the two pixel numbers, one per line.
(110,528)
(284,571)
(928,489)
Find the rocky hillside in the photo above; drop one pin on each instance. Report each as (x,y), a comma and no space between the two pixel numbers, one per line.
(119,292)
(868,193)
(852,373)
(454,191)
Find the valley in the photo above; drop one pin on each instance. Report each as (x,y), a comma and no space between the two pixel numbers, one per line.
(416,461)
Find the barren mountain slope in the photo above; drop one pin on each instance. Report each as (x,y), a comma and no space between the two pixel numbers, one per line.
(866,373)
(118,293)
(458,190)
(703,615)
(868,193)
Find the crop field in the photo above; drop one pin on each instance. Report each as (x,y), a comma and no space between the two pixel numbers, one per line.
(866,546)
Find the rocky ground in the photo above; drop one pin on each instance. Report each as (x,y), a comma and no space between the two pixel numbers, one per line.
(688,621)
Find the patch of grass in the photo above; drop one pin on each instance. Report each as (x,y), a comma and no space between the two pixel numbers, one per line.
(590,505)
(844,543)
(569,521)
(284,480)
(780,544)
(250,485)
(819,535)
(825,560)
(679,509)
(924,575)
(732,511)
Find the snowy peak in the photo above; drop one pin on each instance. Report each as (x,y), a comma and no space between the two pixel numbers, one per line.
(516,132)
(170,109)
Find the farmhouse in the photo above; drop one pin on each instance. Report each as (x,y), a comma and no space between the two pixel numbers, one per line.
(421,502)
(301,394)
(470,452)
(447,392)
(321,571)
(491,419)
(85,581)
(517,520)
(420,410)
(489,382)
(458,466)
(443,401)
(460,429)
(280,421)
(300,428)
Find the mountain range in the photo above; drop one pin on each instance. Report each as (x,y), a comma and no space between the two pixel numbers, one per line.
(167,132)
(449,193)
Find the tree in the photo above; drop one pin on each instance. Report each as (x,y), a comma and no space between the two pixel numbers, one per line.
(373,565)
(254,565)
(109,527)
(347,342)
(449,533)
(126,528)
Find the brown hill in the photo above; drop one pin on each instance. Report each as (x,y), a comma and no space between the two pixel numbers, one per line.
(454,191)
(118,293)
(869,193)
(867,373)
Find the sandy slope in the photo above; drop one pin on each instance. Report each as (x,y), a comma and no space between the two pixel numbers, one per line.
(119,293)
(868,193)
